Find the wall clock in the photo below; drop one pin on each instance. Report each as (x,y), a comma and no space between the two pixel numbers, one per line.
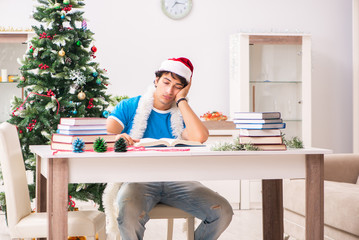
(176,9)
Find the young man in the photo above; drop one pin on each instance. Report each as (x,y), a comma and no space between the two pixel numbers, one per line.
(163,111)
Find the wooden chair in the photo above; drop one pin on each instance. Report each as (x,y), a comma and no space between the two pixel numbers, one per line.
(22,222)
(160,211)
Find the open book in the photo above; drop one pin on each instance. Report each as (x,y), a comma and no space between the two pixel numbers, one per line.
(167,142)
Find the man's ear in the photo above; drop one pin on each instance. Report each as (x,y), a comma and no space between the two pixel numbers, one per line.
(156,81)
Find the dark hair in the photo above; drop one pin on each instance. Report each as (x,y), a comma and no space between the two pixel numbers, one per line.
(174,75)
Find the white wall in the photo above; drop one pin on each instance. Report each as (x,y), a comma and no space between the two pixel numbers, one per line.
(133,37)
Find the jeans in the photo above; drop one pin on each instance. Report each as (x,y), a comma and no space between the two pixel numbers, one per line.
(135,201)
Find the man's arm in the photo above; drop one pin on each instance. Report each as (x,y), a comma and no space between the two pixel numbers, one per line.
(195,130)
(115,127)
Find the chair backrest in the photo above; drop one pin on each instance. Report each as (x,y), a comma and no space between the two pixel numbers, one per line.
(18,203)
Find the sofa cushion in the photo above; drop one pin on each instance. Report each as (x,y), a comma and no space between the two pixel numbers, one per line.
(341,203)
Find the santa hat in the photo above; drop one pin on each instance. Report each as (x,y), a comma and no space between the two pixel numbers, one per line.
(180,66)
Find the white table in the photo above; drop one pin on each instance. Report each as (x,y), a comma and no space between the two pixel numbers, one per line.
(55,171)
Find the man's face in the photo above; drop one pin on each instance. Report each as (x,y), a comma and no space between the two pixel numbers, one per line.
(167,89)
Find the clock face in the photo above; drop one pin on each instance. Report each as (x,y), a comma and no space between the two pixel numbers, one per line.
(176,9)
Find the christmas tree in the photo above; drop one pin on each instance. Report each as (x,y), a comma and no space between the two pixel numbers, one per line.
(61,79)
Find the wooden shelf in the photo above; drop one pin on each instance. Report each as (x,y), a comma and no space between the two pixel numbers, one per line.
(275,81)
(219,125)
(13,37)
(268,39)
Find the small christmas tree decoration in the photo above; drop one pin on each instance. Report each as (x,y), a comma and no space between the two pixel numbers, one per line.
(78,145)
(90,103)
(67,8)
(120,145)
(105,114)
(98,81)
(84,25)
(57,6)
(63,14)
(78,43)
(68,61)
(61,52)
(95,74)
(81,95)
(100,145)
(50,93)
(94,49)
(43,66)
(66,2)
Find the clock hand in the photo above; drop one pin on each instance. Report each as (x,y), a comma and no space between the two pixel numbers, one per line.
(174,4)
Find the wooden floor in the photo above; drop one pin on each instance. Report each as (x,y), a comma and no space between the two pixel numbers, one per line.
(246,225)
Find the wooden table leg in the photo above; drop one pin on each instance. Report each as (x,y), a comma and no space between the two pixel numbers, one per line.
(41,190)
(314,221)
(58,198)
(41,197)
(272,197)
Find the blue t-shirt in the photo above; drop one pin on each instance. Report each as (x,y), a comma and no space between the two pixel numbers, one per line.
(158,123)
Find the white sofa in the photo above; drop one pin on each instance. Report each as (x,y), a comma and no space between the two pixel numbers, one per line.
(341,200)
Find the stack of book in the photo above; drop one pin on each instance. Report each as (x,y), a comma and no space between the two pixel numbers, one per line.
(261,129)
(87,129)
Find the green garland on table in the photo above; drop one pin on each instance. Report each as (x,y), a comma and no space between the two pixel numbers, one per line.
(294,142)
(233,146)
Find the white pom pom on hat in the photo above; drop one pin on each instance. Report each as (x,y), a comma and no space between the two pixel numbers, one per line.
(180,66)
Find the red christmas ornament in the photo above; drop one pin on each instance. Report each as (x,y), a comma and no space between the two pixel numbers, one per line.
(50,93)
(90,103)
(43,66)
(67,9)
(93,50)
(31,125)
(44,35)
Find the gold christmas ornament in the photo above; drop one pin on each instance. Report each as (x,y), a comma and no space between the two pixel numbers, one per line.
(81,95)
(61,52)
